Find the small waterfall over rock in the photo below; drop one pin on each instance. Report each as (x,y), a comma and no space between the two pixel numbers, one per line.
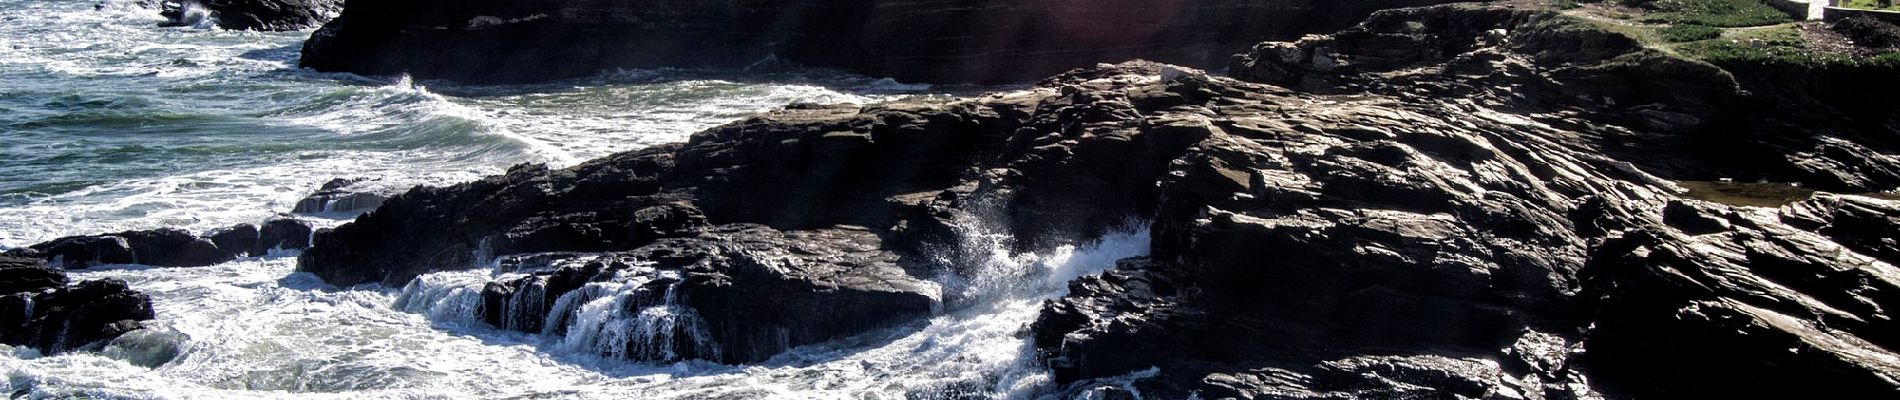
(673,302)
(634,314)
(526,309)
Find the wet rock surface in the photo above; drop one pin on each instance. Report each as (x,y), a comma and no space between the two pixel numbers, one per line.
(161,247)
(39,310)
(741,293)
(166,247)
(931,41)
(341,196)
(251,15)
(1461,201)
(21,275)
(1460,231)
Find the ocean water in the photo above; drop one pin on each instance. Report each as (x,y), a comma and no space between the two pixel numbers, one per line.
(110,123)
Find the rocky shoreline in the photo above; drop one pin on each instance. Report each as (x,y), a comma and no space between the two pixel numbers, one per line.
(1456,200)
(1470,201)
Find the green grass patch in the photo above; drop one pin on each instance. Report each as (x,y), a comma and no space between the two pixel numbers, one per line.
(1870,5)
(1778,46)
(1716,13)
(1689,33)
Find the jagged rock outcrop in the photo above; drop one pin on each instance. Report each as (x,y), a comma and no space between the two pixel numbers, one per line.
(1686,119)
(252,15)
(1473,217)
(935,41)
(806,167)
(1478,226)
(39,310)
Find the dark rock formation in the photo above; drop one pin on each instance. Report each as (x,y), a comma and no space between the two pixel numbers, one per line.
(938,41)
(1686,120)
(38,309)
(240,239)
(749,292)
(167,247)
(1461,231)
(252,15)
(803,168)
(283,233)
(1457,201)
(160,247)
(23,275)
(339,196)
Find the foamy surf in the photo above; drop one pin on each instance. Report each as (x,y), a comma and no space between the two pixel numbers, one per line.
(112,123)
(255,329)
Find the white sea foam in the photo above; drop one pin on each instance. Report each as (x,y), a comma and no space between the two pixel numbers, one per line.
(257,135)
(399,133)
(255,329)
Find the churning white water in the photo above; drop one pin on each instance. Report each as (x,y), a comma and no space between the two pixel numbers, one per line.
(108,123)
(253,328)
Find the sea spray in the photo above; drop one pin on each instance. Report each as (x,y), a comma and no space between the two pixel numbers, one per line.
(972,350)
(194,14)
(634,316)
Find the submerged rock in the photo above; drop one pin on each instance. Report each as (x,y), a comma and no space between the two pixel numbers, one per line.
(38,309)
(253,15)
(932,41)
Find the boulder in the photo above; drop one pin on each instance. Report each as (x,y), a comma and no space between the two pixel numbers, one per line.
(251,15)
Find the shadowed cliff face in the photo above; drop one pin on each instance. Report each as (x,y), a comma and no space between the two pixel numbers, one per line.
(935,41)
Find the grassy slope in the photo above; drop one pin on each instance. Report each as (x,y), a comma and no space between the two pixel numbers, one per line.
(1724,32)
(1869,4)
